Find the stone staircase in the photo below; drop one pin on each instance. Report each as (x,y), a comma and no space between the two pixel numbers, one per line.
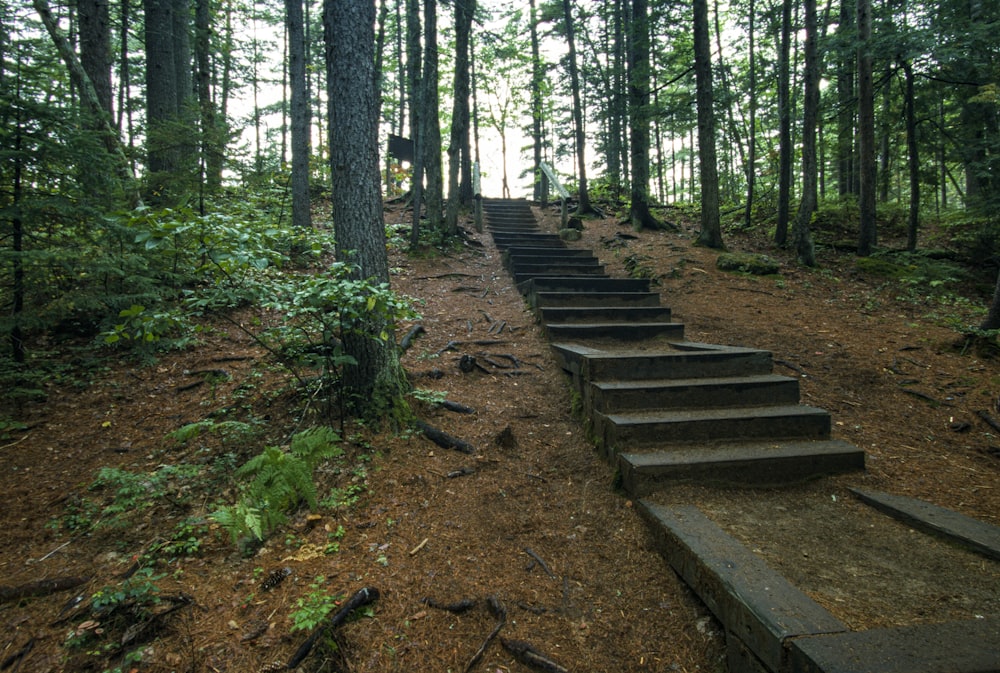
(662,410)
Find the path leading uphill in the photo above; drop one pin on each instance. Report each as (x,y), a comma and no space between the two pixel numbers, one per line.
(665,410)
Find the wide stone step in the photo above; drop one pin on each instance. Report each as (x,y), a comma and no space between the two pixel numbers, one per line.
(686,360)
(741,464)
(528,253)
(615,331)
(595,299)
(759,608)
(555,267)
(551,315)
(659,428)
(504,241)
(735,391)
(522,277)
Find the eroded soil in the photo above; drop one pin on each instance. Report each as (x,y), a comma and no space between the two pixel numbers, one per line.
(433,523)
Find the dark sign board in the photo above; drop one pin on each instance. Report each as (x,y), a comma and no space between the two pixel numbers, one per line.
(401,148)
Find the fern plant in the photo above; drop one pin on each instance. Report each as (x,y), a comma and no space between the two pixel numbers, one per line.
(277,482)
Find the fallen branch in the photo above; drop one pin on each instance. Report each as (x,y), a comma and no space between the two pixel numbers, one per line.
(412,334)
(18,655)
(500,612)
(989,420)
(529,656)
(361,597)
(457,607)
(40,588)
(444,440)
(792,366)
(530,552)
(917,393)
(456,407)
(461,472)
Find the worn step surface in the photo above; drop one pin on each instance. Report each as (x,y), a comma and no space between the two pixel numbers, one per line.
(547,299)
(550,315)
(741,464)
(732,391)
(666,428)
(625,332)
(757,606)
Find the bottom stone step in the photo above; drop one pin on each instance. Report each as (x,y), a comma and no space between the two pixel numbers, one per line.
(757,464)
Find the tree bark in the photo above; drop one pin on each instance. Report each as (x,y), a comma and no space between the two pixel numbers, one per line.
(375,383)
(432,124)
(866,132)
(784,126)
(583,206)
(711,228)
(212,145)
(810,113)
(751,167)
(295,24)
(537,81)
(638,90)
(458,150)
(95,48)
(913,149)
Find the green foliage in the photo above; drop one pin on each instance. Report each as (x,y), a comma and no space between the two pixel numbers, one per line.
(433,397)
(138,592)
(130,493)
(314,607)
(276,482)
(742,262)
(230,433)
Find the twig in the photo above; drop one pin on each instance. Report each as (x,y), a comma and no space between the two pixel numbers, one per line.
(500,612)
(64,544)
(792,366)
(15,443)
(529,656)
(530,552)
(917,393)
(361,597)
(989,420)
(419,546)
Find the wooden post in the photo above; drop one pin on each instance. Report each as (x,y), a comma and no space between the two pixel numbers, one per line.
(477,198)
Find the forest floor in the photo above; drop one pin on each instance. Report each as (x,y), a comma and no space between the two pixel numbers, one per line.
(532,518)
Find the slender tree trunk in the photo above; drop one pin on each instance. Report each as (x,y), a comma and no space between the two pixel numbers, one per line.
(992,320)
(751,165)
(458,149)
(810,112)
(913,148)
(376,382)
(417,131)
(846,162)
(537,81)
(711,227)
(211,139)
(295,24)
(784,126)
(431,122)
(638,90)
(866,131)
(583,207)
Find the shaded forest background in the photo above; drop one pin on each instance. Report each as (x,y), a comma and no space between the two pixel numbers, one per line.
(144,183)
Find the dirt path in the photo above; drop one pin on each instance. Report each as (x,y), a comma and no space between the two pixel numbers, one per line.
(606,602)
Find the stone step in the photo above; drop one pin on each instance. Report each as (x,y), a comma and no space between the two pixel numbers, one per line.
(551,267)
(686,360)
(551,315)
(595,299)
(740,464)
(759,609)
(735,391)
(615,331)
(528,253)
(662,427)
(559,271)
(504,241)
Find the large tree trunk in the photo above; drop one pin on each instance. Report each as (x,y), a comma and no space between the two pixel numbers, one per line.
(751,168)
(784,126)
(301,216)
(212,143)
(95,48)
(810,113)
(866,131)
(432,124)
(375,383)
(846,161)
(537,81)
(913,221)
(458,149)
(638,90)
(583,207)
(711,227)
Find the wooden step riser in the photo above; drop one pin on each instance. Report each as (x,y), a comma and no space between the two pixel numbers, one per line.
(711,364)
(528,253)
(571,284)
(684,433)
(623,332)
(642,474)
(595,299)
(702,395)
(551,315)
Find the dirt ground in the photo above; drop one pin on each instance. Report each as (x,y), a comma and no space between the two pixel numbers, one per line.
(532,519)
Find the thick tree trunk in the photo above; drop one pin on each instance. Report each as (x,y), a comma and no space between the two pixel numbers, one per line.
(751,168)
(434,197)
(458,150)
(846,160)
(638,90)
(866,132)
(211,140)
(295,23)
(583,207)
(784,126)
(711,227)
(95,48)
(375,383)
(810,113)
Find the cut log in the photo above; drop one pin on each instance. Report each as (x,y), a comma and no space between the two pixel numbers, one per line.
(444,440)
